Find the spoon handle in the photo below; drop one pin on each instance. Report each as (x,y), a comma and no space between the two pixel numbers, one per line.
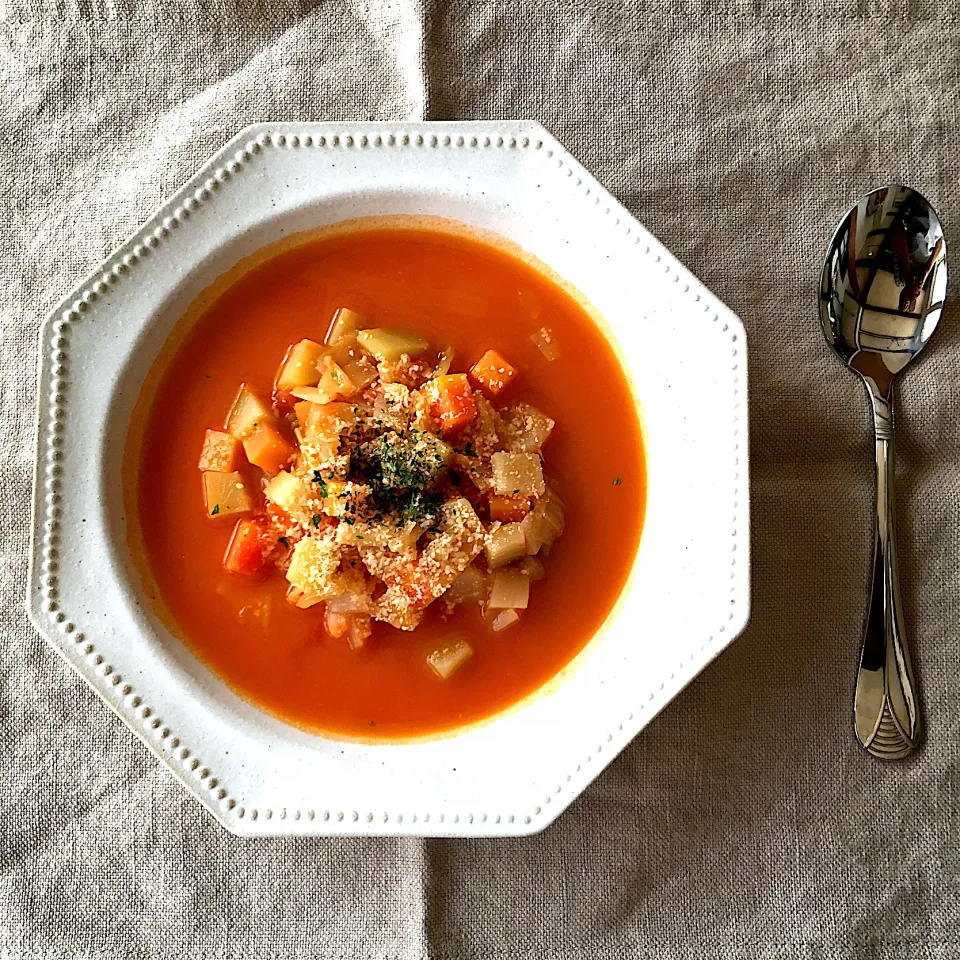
(886,710)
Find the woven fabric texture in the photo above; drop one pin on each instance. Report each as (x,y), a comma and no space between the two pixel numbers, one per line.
(744,822)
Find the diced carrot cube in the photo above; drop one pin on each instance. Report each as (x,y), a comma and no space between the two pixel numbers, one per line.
(268,448)
(455,405)
(507,508)
(221,452)
(492,374)
(250,546)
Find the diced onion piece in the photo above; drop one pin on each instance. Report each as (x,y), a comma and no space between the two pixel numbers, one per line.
(389,345)
(510,589)
(453,653)
(348,603)
(359,630)
(355,363)
(225,494)
(517,474)
(247,413)
(337,624)
(308,600)
(526,429)
(299,368)
(333,380)
(532,567)
(294,594)
(472,586)
(344,322)
(444,361)
(504,619)
(285,490)
(313,395)
(221,452)
(542,525)
(546,343)
(505,543)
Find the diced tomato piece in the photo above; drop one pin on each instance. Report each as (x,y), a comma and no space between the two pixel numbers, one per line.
(507,508)
(455,406)
(492,374)
(221,452)
(268,448)
(251,545)
(281,519)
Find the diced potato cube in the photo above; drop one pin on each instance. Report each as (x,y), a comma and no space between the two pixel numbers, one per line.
(505,543)
(510,589)
(389,345)
(517,474)
(325,421)
(313,567)
(450,656)
(504,619)
(492,373)
(247,413)
(268,448)
(525,428)
(225,494)
(472,586)
(300,366)
(344,322)
(221,452)
(286,491)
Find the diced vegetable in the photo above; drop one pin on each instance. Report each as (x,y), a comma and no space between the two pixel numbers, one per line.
(250,546)
(349,603)
(286,491)
(344,322)
(247,413)
(300,365)
(268,448)
(333,380)
(492,373)
(532,567)
(314,566)
(525,428)
(505,543)
(388,344)
(472,586)
(507,508)
(546,343)
(454,406)
(225,494)
(519,474)
(359,630)
(504,619)
(453,653)
(510,589)
(444,359)
(221,452)
(337,623)
(354,362)
(301,600)
(542,525)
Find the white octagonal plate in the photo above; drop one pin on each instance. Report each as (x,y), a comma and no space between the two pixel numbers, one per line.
(689,591)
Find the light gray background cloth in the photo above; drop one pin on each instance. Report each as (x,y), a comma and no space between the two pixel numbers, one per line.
(743,822)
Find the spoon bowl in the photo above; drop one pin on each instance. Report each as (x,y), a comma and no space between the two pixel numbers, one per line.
(881,296)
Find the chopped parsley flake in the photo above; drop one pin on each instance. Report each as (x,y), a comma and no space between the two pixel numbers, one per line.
(318,478)
(284,541)
(315,520)
(215,510)
(617,482)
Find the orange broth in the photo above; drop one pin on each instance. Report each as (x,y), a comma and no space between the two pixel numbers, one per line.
(450,288)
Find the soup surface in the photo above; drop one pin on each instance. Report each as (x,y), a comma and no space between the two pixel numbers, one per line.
(345,670)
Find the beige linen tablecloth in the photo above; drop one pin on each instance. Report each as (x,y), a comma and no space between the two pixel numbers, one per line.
(744,822)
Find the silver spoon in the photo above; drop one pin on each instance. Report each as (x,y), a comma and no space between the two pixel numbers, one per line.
(881,295)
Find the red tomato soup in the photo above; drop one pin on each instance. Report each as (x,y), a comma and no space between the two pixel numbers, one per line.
(472,437)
